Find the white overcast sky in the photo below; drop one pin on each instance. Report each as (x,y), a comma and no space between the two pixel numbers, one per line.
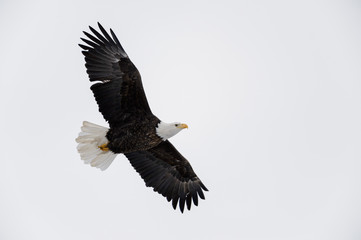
(271,91)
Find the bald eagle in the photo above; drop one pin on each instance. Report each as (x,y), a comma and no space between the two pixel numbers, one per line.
(133,129)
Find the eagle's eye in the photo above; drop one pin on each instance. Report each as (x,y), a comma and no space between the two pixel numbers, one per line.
(176,125)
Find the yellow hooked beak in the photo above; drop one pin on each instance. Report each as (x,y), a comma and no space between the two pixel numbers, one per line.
(182,126)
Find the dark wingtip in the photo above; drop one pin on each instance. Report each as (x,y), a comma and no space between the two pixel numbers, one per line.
(200,193)
(174,203)
(181,204)
(91,29)
(100,26)
(203,187)
(189,201)
(195,199)
(84,47)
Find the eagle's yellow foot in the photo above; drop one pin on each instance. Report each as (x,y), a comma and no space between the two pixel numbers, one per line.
(104,147)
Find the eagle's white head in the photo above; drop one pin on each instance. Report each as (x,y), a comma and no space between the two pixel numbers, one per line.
(167,130)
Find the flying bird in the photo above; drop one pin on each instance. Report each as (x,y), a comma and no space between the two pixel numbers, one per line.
(133,129)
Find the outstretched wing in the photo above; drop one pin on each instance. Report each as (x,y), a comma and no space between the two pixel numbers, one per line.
(169,173)
(120,91)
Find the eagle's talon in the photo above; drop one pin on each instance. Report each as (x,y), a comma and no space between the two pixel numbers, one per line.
(104,147)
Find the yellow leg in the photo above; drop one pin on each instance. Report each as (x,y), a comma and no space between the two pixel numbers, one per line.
(104,147)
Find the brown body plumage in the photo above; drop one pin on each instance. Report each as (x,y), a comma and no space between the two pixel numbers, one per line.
(135,136)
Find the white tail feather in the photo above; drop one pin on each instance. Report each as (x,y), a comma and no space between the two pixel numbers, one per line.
(89,139)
